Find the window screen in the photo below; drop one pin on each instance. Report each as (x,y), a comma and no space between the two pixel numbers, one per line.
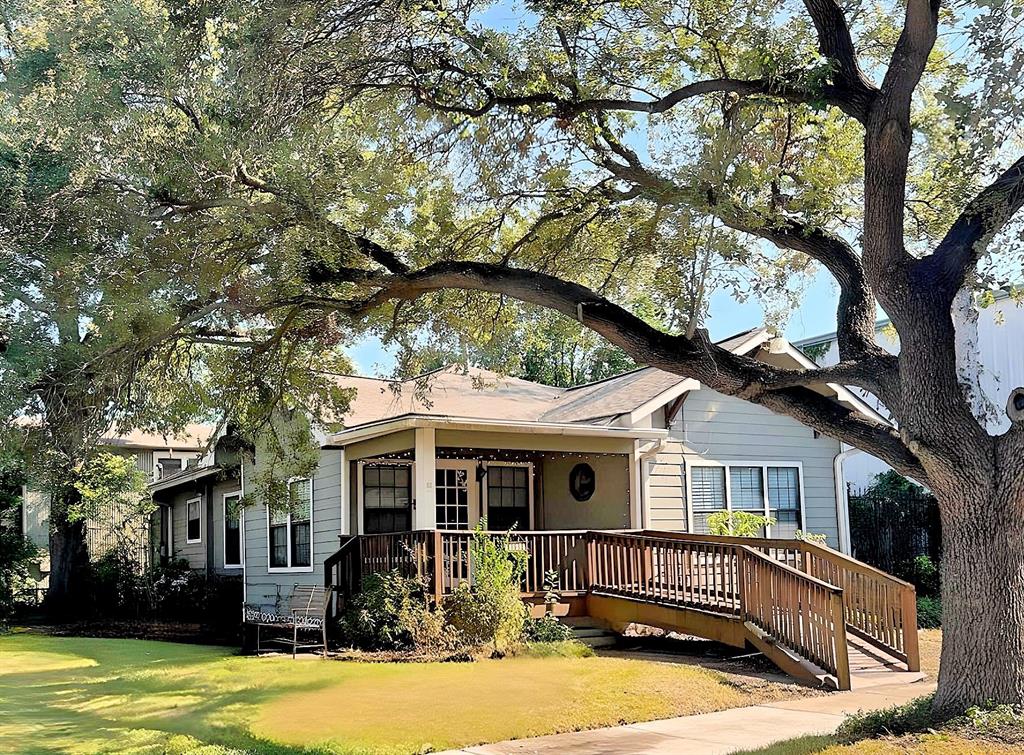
(279,538)
(232,532)
(747,489)
(194,529)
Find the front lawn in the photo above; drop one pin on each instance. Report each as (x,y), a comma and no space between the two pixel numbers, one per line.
(104,695)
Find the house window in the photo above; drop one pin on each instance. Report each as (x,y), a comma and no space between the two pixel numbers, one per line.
(387,498)
(508,497)
(291,534)
(707,495)
(168,467)
(784,500)
(768,490)
(232,530)
(194,520)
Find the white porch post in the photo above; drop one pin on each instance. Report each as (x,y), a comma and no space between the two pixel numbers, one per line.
(346,512)
(425,514)
(635,488)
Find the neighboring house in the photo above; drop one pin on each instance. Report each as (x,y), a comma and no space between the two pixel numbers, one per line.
(155,455)
(998,335)
(647,449)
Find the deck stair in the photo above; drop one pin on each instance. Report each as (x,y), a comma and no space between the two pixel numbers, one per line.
(591,632)
(816,613)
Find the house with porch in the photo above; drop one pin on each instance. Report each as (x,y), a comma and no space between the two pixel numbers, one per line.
(609,484)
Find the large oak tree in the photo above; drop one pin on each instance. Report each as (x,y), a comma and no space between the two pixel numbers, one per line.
(369,162)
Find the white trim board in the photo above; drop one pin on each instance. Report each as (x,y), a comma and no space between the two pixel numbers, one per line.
(188,502)
(689,463)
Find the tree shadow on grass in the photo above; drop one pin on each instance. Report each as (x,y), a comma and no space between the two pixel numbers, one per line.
(137,696)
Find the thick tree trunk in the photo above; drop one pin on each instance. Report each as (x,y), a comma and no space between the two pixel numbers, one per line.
(69,569)
(982,597)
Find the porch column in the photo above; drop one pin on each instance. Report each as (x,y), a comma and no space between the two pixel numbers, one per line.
(425,514)
(635,488)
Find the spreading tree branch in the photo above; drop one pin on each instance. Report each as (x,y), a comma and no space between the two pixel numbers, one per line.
(836,43)
(736,375)
(952,261)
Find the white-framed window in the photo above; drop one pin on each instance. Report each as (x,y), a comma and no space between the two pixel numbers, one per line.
(508,495)
(234,531)
(290,533)
(194,520)
(773,489)
(165,466)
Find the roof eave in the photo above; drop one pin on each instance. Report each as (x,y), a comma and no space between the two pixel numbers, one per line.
(412,421)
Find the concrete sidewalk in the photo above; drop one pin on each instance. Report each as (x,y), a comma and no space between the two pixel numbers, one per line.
(722,732)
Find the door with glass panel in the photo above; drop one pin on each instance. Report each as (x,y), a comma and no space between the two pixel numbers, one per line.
(456,494)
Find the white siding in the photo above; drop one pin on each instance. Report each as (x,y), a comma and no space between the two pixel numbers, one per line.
(1000,332)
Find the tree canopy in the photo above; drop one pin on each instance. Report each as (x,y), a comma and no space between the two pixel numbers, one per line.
(213,196)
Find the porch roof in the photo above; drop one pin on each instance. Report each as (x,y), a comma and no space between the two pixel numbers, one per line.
(410,421)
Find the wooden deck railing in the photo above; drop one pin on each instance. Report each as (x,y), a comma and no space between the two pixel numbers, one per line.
(796,609)
(805,595)
(879,608)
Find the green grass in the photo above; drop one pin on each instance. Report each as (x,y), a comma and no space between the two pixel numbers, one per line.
(101,695)
(800,746)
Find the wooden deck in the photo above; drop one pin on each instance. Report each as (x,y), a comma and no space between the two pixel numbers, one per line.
(799,603)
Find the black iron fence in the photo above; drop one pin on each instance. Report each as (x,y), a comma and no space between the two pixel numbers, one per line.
(890,529)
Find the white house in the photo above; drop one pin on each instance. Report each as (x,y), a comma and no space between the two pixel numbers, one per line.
(997,335)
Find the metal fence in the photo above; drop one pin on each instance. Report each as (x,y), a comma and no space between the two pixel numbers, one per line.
(888,530)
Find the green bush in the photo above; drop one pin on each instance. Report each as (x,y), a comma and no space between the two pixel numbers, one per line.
(119,584)
(17,554)
(912,717)
(546,629)
(929,613)
(393,613)
(738,523)
(489,611)
(923,573)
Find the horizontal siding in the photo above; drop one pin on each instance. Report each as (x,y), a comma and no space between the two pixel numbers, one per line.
(271,589)
(666,489)
(720,428)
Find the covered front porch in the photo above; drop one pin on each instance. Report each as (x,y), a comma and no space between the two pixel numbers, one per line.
(450,475)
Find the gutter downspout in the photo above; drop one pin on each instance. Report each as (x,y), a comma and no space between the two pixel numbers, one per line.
(842,500)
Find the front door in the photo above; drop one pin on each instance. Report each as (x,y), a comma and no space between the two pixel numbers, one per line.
(456,494)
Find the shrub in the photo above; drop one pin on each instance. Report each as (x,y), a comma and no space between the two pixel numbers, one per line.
(546,629)
(178,592)
(489,611)
(923,573)
(17,554)
(393,613)
(929,613)
(912,717)
(119,584)
(738,523)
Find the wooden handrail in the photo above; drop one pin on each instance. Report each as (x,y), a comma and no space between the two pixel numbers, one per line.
(879,608)
(797,609)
